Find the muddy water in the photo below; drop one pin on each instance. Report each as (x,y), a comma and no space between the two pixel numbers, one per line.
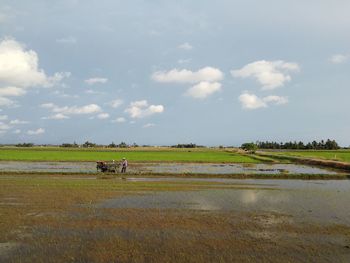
(323,201)
(172,168)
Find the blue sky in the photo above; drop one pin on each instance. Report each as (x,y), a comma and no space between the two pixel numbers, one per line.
(167,72)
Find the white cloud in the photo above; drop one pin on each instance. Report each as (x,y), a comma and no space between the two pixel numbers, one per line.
(119,120)
(278,100)
(251,101)
(48,105)
(208,74)
(36,132)
(148,125)
(4,126)
(141,109)
(270,74)
(103,116)
(115,103)
(11,92)
(73,110)
(17,121)
(3,117)
(203,89)
(6,102)
(339,59)
(67,40)
(19,67)
(58,116)
(185,46)
(93,81)
(17,131)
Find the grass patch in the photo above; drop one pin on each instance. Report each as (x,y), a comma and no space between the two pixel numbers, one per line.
(339,155)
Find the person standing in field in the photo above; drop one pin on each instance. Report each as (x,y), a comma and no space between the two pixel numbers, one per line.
(124,165)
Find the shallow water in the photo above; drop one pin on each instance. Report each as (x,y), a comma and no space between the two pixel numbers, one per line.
(324,201)
(167,168)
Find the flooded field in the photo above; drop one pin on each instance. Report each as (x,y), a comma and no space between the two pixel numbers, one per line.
(321,201)
(72,219)
(167,168)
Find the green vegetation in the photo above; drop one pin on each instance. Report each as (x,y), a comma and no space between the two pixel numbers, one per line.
(250,147)
(314,145)
(339,155)
(135,155)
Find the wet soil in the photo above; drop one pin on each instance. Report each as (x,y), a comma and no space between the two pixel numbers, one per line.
(168,168)
(55,219)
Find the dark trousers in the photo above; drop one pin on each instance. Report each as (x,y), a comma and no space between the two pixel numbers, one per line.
(124,169)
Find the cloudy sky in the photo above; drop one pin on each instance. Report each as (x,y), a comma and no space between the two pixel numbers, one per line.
(167,72)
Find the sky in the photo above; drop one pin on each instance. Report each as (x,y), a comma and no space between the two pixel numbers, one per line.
(166,72)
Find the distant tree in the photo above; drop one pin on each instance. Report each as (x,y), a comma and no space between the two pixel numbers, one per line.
(188,145)
(88,144)
(250,147)
(112,145)
(69,145)
(25,144)
(122,145)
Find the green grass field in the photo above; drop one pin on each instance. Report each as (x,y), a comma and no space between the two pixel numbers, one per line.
(340,155)
(133,155)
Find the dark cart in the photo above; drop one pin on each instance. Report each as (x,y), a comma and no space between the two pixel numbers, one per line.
(107,167)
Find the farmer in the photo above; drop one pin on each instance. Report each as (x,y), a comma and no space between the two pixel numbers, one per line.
(124,165)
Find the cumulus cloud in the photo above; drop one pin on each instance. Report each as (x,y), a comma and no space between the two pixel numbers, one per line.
(103,116)
(119,120)
(339,58)
(17,131)
(65,111)
(12,92)
(208,74)
(3,117)
(141,109)
(203,89)
(19,67)
(115,103)
(185,46)
(93,81)
(19,70)
(36,132)
(270,74)
(251,101)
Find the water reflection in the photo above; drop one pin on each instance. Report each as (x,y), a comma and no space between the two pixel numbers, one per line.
(324,202)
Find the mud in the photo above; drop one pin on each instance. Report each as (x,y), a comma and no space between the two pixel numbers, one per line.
(168,168)
(173,220)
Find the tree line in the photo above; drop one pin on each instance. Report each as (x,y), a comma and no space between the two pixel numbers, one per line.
(314,145)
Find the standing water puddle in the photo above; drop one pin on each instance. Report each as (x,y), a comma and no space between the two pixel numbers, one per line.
(166,168)
(324,201)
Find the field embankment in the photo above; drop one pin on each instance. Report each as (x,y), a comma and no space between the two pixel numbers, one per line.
(319,158)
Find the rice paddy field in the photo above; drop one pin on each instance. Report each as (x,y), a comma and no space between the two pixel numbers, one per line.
(50,218)
(133,155)
(172,205)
